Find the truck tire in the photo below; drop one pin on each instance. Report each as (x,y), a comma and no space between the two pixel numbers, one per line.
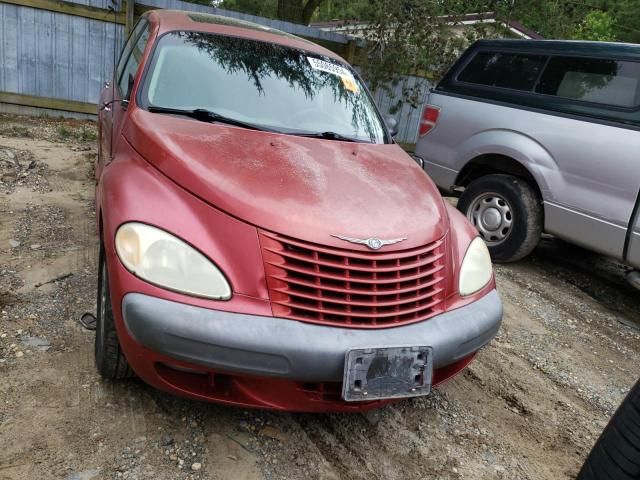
(616,454)
(507,212)
(110,361)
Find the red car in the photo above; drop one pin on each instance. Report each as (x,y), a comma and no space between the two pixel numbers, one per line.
(264,242)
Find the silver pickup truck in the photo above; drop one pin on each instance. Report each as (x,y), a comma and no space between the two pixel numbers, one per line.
(541,136)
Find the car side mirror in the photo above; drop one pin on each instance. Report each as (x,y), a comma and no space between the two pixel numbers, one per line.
(418,160)
(392,125)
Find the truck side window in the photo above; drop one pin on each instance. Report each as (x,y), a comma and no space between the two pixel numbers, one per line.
(610,82)
(133,62)
(517,71)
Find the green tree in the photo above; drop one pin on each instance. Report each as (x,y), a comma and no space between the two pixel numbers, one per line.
(295,11)
(344,10)
(421,37)
(261,8)
(597,25)
(581,19)
(550,18)
(626,16)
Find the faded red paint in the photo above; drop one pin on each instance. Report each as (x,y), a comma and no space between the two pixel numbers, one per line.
(301,187)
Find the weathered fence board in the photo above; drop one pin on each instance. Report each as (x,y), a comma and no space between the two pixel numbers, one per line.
(51,104)
(55,55)
(79,8)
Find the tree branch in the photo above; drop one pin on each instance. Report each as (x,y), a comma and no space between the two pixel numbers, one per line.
(309,9)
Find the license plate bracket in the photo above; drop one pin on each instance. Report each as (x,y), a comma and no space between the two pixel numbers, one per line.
(387,372)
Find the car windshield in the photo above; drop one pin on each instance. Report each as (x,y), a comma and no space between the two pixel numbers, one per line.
(265,84)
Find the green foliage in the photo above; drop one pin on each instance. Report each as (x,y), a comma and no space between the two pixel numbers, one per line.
(550,18)
(296,11)
(589,20)
(262,8)
(326,9)
(421,37)
(344,10)
(626,16)
(88,135)
(598,26)
(63,131)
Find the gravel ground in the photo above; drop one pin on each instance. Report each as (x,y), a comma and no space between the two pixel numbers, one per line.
(529,407)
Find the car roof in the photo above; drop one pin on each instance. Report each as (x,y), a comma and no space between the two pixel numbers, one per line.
(571,47)
(176,20)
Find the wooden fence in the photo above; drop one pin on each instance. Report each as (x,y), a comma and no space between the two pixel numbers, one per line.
(55,55)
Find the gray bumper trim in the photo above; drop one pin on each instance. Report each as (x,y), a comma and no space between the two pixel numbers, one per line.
(275,347)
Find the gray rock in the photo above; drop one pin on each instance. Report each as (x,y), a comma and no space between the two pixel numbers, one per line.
(84,475)
(36,342)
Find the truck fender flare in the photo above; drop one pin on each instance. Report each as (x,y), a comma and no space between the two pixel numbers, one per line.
(532,156)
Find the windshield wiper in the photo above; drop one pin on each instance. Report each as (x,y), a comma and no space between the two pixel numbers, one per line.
(330,136)
(205,115)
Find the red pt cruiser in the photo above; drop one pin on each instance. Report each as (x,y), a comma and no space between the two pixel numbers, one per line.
(264,242)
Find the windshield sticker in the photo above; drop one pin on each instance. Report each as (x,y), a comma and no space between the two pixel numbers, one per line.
(350,83)
(345,75)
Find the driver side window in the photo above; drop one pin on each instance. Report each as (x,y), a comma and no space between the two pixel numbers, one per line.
(132,56)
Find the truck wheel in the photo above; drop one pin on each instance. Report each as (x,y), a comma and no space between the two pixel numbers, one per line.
(110,361)
(507,212)
(616,454)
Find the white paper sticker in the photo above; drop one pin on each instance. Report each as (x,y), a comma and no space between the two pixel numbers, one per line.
(329,67)
(347,78)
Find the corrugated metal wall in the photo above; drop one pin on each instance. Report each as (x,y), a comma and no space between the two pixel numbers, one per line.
(55,55)
(407,115)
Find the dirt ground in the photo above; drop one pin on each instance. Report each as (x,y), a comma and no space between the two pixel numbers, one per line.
(529,407)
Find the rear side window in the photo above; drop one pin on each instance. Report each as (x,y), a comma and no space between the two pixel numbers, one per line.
(517,71)
(610,82)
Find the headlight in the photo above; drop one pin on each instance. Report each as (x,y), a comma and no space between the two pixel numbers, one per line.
(476,269)
(164,260)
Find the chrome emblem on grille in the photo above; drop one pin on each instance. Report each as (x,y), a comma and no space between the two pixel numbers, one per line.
(373,243)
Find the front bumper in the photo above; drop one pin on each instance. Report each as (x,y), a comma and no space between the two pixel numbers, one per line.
(289,349)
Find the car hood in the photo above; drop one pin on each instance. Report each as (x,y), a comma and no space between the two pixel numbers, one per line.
(304,188)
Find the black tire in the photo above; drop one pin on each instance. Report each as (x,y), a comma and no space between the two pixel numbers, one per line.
(110,361)
(522,209)
(616,454)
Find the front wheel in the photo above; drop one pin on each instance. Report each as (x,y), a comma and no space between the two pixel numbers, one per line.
(110,361)
(507,212)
